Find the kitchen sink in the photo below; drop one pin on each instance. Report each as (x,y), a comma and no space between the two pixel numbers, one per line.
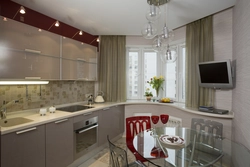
(14,121)
(74,108)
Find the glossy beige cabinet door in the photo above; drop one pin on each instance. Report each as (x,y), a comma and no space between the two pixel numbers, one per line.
(111,122)
(79,61)
(59,143)
(24,148)
(27,52)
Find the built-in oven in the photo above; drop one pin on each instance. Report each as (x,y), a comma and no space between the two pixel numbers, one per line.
(85,136)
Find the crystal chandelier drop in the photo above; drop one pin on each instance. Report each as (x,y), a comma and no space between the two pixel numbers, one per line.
(161,37)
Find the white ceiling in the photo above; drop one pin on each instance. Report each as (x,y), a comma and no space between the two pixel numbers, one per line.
(122,17)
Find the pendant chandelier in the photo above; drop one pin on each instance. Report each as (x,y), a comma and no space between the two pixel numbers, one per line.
(161,37)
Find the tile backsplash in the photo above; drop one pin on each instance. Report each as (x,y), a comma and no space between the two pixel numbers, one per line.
(38,96)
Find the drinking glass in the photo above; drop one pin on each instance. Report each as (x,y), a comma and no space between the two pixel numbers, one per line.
(156,150)
(155,119)
(164,118)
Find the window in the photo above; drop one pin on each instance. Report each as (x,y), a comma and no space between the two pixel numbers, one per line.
(144,63)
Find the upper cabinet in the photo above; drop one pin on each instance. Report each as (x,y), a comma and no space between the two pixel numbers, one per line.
(79,60)
(27,52)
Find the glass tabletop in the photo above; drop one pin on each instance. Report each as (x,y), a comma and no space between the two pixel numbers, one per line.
(180,147)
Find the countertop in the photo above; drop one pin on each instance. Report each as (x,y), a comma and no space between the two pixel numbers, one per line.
(59,115)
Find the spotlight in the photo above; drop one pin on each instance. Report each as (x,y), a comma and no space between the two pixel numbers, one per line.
(57,24)
(22,10)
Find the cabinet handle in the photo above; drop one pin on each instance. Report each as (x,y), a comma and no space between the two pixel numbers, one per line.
(57,122)
(26,130)
(106,108)
(84,130)
(32,51)
(88,113)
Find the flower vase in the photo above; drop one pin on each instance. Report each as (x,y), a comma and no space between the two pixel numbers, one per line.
(158,93)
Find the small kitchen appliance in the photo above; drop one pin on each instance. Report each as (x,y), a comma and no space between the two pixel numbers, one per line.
(99,97)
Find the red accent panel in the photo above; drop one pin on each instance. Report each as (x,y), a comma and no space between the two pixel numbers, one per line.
(9,8)
(135,125)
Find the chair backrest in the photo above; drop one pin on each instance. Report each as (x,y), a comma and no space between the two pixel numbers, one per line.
(206,127)
(136,124)
(118,156)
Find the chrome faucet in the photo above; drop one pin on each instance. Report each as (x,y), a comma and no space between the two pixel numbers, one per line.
(90,100)
(3,109)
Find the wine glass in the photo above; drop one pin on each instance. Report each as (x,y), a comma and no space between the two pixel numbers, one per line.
(164,118)
(156,150)
(155,119)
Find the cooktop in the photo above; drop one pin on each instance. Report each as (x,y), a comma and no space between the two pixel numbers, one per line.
(74,108)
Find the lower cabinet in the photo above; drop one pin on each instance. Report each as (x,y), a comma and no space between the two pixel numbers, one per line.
(24,148)
(111,122)
(59,143)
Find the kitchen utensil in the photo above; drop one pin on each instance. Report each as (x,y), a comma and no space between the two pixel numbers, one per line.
(99,97)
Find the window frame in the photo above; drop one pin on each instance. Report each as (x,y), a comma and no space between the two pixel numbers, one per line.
(161,70)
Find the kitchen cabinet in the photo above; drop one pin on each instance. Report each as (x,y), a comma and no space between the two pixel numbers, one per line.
(44,55)
(87,70)
(111,122)
(37,52)
(24,148)
(59,143)
(79,61)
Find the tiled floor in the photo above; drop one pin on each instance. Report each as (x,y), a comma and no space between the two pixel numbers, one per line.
(102,158)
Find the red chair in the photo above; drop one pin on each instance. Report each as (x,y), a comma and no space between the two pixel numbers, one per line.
(135,125)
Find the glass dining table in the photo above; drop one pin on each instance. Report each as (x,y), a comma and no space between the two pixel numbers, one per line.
(182,147)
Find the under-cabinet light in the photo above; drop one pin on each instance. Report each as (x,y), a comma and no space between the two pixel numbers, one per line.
(23,82)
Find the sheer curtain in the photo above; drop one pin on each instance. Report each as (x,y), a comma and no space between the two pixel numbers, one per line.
(199,48)
(112,68)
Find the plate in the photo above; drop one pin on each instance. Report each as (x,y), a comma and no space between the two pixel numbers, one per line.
(171,101)
(172,141)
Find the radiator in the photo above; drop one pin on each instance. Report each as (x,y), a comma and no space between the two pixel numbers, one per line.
(174,122)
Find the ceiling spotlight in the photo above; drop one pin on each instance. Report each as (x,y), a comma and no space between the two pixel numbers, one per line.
(97,40)
(57,24)
(40,30)
(5,19)
(80,32)
(22,10)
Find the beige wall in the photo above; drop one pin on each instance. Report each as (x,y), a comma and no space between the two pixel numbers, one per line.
(222,30)
(241,52)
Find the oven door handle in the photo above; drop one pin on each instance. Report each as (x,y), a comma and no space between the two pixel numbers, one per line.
(84,130)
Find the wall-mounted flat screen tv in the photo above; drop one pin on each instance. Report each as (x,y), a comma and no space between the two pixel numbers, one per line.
(215,74)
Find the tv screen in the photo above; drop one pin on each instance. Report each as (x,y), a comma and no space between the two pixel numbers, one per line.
(215,74)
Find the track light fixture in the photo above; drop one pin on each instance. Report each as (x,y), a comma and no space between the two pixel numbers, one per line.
(78,32)
(56,23)
(21,10)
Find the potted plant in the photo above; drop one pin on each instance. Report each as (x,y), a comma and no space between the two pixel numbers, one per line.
(148,94)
